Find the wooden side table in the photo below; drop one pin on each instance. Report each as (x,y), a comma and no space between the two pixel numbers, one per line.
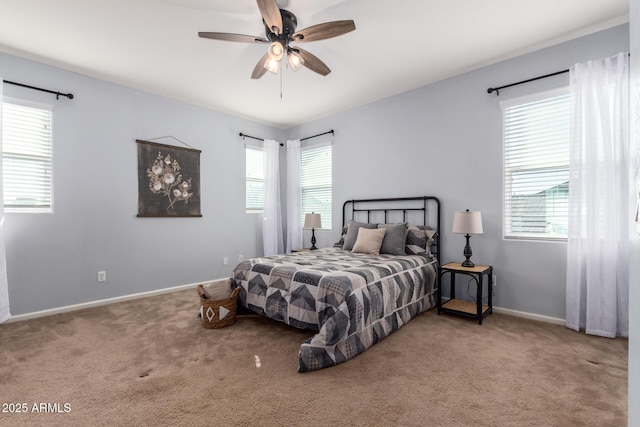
(475,310)
(301,250)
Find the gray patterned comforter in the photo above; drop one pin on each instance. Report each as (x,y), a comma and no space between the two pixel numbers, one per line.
(351,300)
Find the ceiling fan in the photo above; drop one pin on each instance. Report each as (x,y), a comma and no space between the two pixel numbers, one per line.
(280,26)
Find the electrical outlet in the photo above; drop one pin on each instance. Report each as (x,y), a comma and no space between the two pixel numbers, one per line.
(225,260)
(495,280)
(102,276)
(240,258)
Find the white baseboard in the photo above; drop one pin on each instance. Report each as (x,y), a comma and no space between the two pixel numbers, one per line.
(531,316)
(68,308)
(525,315)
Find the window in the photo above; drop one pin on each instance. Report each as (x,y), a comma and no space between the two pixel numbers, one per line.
(536,166)
(315,177)
(254,179)
(26,156)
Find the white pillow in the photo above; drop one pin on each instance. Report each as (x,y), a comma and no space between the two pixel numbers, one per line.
(369,241)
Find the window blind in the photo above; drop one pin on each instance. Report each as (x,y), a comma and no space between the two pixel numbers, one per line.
(27,157)
(254,179)
(536,166)
(315,177)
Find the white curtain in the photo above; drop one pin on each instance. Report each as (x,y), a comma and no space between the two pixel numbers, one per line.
(4,285)
(599,220)
(272,226)
(294,197)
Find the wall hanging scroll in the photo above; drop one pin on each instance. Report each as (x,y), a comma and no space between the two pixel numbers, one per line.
(168,180)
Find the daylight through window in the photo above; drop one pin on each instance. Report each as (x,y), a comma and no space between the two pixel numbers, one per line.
(27,157)
(536,166)
(254,179)
(315,177)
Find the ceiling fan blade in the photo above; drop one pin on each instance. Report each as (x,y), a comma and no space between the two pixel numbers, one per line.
(233,37)
(271,14)
(324,31)
(312,62)
(259,69)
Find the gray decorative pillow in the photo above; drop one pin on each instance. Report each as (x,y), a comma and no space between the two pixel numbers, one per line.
(394,239)
(352,233)
(340,242)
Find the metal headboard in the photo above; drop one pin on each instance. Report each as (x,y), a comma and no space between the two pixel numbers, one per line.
(424,209)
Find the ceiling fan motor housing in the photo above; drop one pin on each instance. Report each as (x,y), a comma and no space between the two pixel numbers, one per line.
(289,24)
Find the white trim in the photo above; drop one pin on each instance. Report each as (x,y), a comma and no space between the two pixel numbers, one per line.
(27,103)
(524,315)
(304,145)
(530,316)
(533,97)
(98,303)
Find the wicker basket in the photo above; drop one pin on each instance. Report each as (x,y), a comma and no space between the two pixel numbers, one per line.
(212,310)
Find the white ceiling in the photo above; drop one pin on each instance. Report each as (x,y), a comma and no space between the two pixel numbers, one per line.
(152,45)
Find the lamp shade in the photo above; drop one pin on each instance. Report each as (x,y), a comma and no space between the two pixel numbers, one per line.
(312,220)
(467,222)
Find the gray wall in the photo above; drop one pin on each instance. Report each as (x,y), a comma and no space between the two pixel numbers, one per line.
(52,259)
(445,139)
(634,259)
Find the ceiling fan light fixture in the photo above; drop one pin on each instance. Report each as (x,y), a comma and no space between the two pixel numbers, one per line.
(295,60)
(276,51)
(272,65)
(280,31)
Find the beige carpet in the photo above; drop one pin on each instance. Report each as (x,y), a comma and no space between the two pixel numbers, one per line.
(149,362)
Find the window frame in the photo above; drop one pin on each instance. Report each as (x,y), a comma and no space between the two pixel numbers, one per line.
(327,215)
(507,217)
(247,179)
(39,209)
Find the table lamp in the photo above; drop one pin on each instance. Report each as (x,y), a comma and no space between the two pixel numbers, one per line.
(312,221)
(467,222)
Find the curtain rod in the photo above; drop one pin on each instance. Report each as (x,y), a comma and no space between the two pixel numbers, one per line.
(244,135)
(56,93)
(497,89)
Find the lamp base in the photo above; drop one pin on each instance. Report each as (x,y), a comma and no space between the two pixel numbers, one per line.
(467,254)
(313,239)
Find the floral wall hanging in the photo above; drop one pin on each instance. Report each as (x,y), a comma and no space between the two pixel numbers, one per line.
(168,180)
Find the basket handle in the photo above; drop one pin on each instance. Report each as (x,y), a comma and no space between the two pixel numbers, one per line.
(235,292)
(201,292)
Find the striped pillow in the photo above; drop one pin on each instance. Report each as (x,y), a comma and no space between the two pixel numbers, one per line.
(419,240)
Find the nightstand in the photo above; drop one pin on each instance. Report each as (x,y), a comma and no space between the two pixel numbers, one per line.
(301,250)
(475,310)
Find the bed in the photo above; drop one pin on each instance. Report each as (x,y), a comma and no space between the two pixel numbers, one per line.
(352,298)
